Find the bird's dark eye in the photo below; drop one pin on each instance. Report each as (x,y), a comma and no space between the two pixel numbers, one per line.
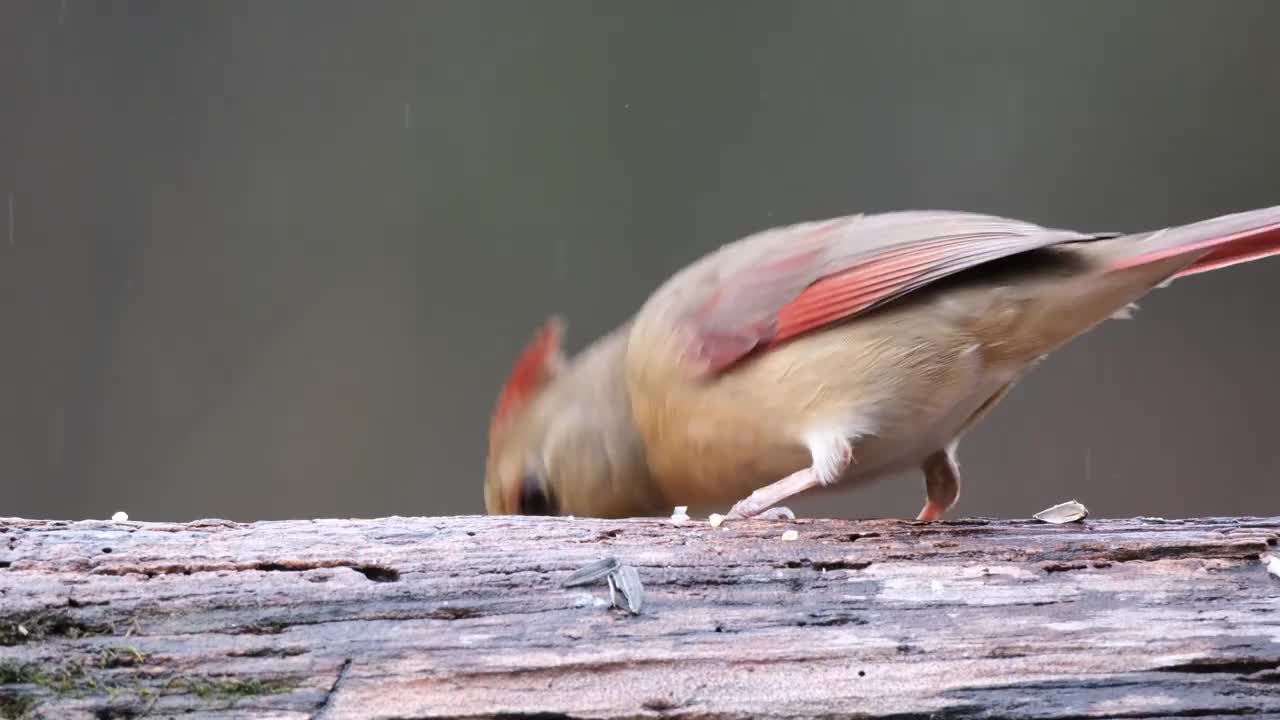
(535,497)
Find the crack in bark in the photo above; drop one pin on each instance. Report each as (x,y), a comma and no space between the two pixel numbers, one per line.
(1235,550)
(1240,666)
(375,573)
(323,710)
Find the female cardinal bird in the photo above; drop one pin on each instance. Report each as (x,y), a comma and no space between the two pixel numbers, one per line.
(822,353)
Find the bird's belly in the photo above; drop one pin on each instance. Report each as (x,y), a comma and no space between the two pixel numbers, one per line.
(709,460)
(902,441)
(715,462)
(899,388)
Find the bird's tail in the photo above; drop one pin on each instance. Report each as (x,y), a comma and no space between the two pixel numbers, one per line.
(1206,245)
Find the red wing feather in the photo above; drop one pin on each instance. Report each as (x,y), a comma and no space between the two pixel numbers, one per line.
(786,282)
(838,270)
(858,289)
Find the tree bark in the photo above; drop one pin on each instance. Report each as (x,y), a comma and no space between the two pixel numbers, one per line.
(466,617)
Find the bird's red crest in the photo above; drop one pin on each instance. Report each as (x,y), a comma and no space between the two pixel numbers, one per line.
(537,364)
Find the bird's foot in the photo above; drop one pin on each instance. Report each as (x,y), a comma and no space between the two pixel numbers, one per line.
(760,504)
(942,485)
(831,455)
(747,507)
(932,512)
(779,512)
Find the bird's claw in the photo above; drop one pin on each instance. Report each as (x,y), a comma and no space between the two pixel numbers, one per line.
(746,509)
(932,512)
(777,513)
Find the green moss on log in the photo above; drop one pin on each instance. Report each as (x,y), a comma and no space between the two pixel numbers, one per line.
(38,625)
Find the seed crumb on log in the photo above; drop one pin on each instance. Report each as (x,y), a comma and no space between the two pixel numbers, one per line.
(469,617)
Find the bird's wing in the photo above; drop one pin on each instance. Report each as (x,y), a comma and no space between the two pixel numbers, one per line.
(789,281)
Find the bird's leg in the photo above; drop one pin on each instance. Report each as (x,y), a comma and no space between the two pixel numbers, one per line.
(941,475)
(942,484)
(831,455)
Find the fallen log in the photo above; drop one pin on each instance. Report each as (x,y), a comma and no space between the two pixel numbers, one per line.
(467,617)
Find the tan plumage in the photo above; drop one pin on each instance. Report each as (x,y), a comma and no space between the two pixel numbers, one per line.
(831,354)
(569,447)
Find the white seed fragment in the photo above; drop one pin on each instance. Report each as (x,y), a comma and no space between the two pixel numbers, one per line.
(681,515)
(1273,565)
(1066,512)
(120,516)
(715,519)
(790,535)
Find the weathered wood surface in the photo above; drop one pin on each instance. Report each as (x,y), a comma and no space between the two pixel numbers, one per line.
(465,617)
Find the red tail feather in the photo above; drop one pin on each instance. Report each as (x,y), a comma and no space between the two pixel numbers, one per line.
(1223,241)
(1238,250)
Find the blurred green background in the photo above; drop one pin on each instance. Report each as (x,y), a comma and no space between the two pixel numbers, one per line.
(273,259)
